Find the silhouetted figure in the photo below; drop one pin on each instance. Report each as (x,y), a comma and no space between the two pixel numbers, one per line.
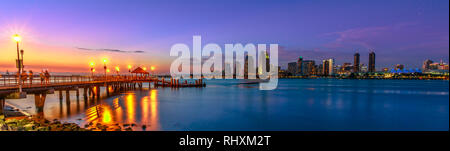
(24,76)
(31,76)
(47,77)
(42,76)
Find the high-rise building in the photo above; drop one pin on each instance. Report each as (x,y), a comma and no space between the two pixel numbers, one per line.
(300,65)
(292,68)
(249,65)
(325,67)
(308,67)
(426,64)
(372,61)
(320,69)
(331,66)
(356,62)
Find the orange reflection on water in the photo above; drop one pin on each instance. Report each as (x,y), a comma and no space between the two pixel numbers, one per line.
(131,108)
(117,110)
(106,115)
(145,110)
(154,122)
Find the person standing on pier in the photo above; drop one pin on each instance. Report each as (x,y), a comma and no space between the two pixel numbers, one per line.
(31,76)
(47,77)
(42,76)
(24,76)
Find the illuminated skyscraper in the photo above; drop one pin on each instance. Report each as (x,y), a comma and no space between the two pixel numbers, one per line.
(300,65)
(372,61)
(325,68)
(308,67)
(356,62)
(330,66)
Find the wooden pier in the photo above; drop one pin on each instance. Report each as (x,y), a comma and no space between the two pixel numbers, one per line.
(90,85)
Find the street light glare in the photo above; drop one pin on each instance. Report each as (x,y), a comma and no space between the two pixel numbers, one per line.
(117,68)
(104,60)
(152,68)
(129,66)
(92,63)
(17,38)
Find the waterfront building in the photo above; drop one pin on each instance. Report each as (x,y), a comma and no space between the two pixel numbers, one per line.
(356,62)
(426,64)
(308,67)
(300,65)
(325,68)
(331,69)
(328,67)
(292,68)
(363,68)
(372,61)
(320,69)
(247,66)
(399,67)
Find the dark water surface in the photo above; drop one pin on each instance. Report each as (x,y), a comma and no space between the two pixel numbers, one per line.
(297,104)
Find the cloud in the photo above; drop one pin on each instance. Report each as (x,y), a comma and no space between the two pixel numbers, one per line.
(110,50)
(368,37)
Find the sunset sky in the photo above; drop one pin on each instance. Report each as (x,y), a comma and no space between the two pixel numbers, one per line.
(66,35)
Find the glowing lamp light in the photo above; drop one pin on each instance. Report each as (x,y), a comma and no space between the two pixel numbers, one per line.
(107,70)
(152,68)
(129,66)
(93,70)
(104,60)
(117,68)
(17,38)
(92,63)
(145,68)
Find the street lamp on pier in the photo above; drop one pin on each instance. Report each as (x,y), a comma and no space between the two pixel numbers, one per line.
(17,38)
(92,64)
(104,67)
(117,70)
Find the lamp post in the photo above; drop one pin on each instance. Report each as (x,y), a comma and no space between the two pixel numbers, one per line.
(152,69)
(104,66)
(117,70)
(129,69)
(17,38)
(92,68)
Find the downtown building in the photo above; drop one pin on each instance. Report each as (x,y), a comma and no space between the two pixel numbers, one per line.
(372,61)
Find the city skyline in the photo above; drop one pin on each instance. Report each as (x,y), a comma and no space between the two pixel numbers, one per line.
(141,33)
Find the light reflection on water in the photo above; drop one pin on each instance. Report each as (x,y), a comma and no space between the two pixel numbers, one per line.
(296,105)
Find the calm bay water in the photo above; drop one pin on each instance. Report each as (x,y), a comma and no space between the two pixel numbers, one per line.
(297,104)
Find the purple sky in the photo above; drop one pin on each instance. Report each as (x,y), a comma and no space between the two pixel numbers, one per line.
(401,32)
